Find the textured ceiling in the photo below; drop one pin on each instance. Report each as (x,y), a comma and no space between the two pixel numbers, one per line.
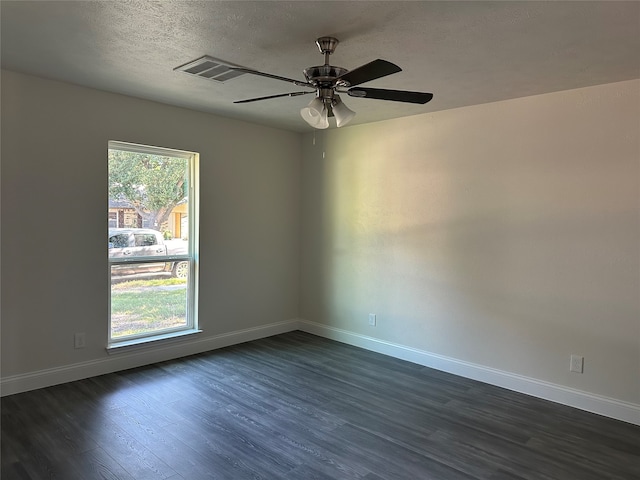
(465,53)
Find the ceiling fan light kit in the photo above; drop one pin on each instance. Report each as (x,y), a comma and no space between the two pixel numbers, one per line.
(326,81)
(316,114)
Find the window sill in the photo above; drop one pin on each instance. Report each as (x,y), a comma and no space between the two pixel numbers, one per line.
(149,342)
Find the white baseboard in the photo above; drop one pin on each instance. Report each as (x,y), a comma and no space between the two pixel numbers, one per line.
(138,358)
(608,407)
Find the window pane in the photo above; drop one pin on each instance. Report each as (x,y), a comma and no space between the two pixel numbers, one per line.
(147,305)
(148,191)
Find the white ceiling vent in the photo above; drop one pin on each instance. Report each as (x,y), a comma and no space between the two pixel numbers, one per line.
(210,68)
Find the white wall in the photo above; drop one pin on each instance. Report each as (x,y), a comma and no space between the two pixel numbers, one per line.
(505,236)
(54,201)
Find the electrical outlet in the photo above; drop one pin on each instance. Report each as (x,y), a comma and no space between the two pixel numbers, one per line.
(577,364)
(372,319)
(79,340)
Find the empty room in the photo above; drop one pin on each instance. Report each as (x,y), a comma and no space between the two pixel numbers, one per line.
(320,240)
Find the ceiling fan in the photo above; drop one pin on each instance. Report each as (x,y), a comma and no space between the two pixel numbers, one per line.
(328,80)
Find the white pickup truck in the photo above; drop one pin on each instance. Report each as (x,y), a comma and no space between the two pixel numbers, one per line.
(131,243)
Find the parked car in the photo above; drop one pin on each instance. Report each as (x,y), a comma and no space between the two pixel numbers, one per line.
(145,242)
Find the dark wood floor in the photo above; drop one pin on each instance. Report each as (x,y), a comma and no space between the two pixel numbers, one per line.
(300,407)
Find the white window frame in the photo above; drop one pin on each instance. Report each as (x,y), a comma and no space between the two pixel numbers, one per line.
(191,327)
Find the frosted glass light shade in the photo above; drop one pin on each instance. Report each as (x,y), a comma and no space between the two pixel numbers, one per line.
(315,114)
(342,113)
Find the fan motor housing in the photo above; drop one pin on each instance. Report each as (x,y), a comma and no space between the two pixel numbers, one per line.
(323,75)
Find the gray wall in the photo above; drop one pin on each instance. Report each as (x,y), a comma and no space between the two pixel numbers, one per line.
(54,200)
(505,235)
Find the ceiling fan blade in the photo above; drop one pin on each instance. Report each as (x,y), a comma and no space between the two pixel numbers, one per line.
(291,94)
(370,71)
(299,83)
(393,95)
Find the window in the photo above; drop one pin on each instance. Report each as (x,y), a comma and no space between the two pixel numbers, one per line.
(113,219)
(118,241)
(153,257)
(145,239)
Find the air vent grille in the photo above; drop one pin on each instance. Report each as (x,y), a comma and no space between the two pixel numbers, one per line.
(209,68)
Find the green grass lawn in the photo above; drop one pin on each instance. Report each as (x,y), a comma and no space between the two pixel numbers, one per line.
(143,306)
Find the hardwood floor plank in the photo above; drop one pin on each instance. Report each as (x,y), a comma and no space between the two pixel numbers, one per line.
(90,465)
(300,407)
(228,455)
(392,461)
(307,473)
(373,476)
(603,460)
(304,444)
(14,470)
(502,475)
(176,454)
(137,460)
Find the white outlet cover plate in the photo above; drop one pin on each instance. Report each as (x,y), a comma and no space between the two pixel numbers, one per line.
(577,364)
